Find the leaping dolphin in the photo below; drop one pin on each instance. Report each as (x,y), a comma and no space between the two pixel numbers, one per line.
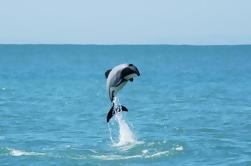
(116,80)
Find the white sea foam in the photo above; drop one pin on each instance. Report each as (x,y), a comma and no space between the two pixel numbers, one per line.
(158,154)
(179,148)
(145,154)
(115,157)
(16,152)
(145,151)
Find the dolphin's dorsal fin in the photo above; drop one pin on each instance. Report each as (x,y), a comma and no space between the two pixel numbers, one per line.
(107,73)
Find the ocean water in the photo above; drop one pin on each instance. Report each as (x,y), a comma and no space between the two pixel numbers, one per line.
(190,106)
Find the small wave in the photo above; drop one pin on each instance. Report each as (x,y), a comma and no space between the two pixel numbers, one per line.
(115,157)
(15,152)
(163,153)
(145,155)
(92,150)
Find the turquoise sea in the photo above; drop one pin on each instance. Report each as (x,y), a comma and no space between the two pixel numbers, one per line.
(190,106)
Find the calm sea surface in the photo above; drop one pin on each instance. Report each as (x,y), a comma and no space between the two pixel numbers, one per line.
(190,106)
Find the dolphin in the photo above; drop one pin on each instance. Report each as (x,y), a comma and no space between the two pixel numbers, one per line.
(116,78)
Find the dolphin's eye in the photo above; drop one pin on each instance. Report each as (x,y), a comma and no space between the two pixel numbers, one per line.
(130,65)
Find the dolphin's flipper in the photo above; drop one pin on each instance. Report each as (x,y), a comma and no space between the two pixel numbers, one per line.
(112,112)
(120,82)
(107,73)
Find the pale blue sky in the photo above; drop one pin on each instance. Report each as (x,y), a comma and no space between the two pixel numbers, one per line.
(126,22)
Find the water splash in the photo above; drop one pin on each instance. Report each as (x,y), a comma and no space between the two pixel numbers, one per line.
(126,137)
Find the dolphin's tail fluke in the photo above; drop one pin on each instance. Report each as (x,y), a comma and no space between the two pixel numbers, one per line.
(114,111)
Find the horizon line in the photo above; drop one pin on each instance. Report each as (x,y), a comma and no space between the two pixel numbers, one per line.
(124,44)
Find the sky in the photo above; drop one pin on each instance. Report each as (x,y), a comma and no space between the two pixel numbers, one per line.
(197,22)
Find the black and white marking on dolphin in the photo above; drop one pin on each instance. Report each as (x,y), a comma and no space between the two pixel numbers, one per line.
(116,80)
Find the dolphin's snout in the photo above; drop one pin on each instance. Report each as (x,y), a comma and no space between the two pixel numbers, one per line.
(137,72)
(135,69)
